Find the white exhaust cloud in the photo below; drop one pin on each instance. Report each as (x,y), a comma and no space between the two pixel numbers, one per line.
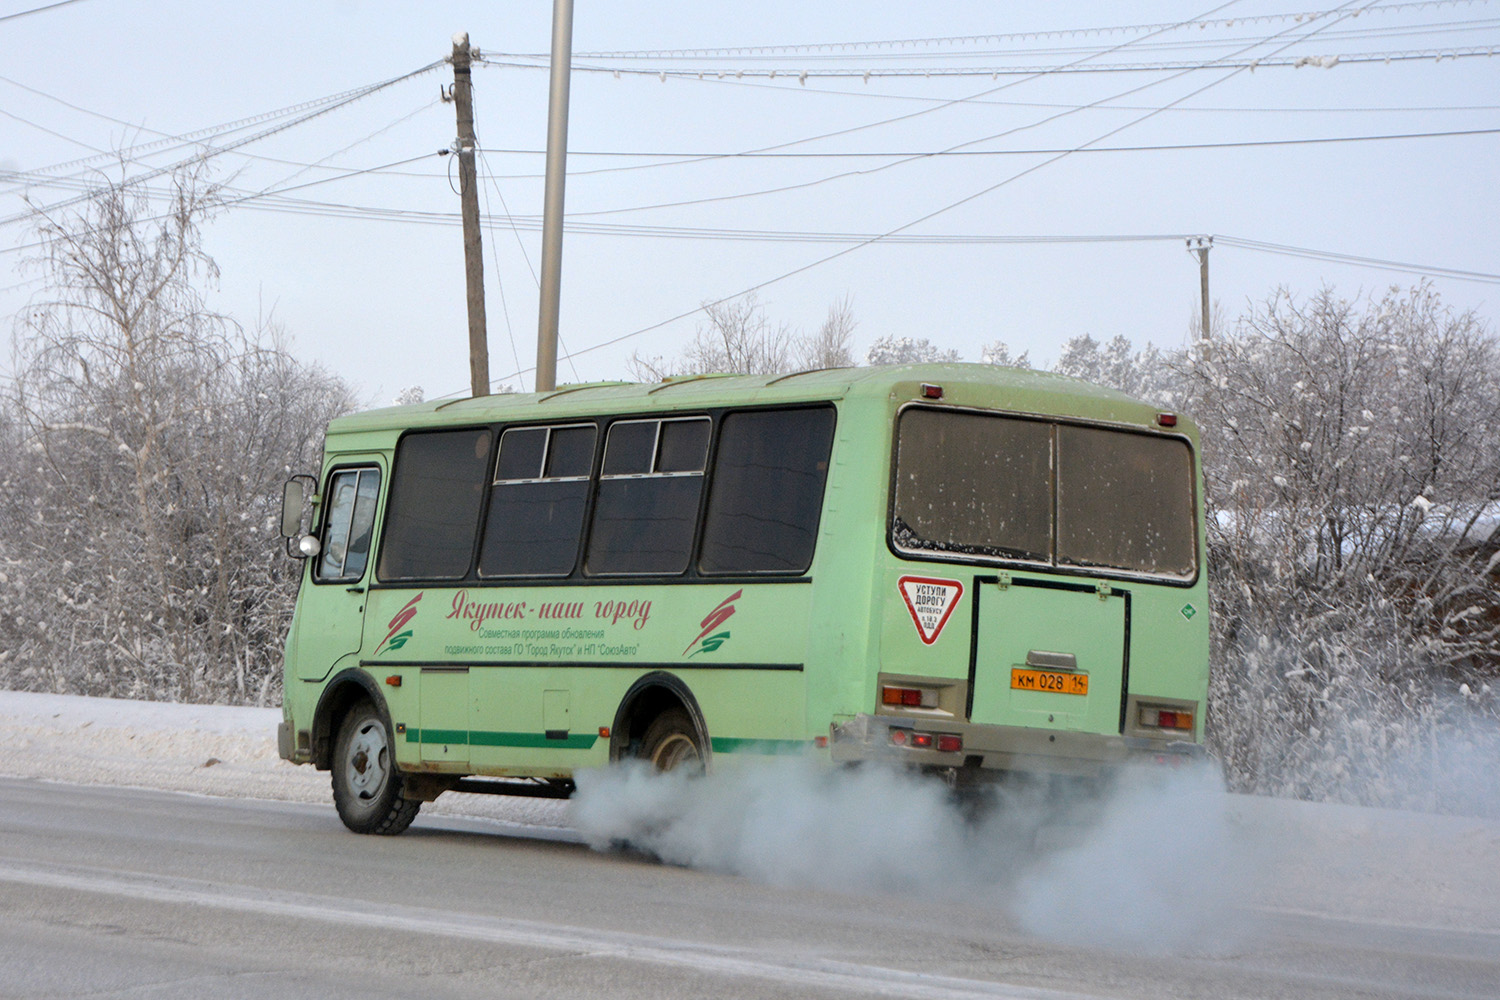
(1152,863)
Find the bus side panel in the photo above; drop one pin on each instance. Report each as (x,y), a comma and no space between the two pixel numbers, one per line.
(506,677)
(845,622)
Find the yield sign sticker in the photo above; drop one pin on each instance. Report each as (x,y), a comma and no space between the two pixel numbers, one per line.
(930,602)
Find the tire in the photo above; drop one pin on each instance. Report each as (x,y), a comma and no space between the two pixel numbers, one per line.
(366,783)
(671,742)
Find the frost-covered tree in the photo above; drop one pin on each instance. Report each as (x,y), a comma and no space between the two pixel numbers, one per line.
(152,434)
(1352,452)
(738,336)
(998,353)
(1116,364)
(892,350)
(832,345)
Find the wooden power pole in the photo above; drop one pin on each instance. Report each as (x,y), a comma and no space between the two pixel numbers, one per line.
(468,192)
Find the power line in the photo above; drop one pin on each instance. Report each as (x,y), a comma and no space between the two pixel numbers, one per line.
(802,76)
(316,109)
(962,145)
(1035,151)
(38,10)
(816,48)
(241,198)
(952,205)
(1345,258)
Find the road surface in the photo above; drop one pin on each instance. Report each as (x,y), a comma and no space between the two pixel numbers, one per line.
(119,892)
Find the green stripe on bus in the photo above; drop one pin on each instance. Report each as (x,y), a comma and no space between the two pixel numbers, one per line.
(530,741)
(733,744)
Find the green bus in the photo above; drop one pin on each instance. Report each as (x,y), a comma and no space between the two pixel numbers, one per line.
(974,570)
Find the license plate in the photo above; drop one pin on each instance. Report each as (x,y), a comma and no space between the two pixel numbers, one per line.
(1049,680)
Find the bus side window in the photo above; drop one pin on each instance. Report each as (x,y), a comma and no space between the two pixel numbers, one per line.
(767,491)
(432,516)
(346,530)
(647,507)
(541,486)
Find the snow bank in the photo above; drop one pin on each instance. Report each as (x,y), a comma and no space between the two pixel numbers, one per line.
(204,749)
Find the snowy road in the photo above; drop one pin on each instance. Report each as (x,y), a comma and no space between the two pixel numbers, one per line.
(114,891)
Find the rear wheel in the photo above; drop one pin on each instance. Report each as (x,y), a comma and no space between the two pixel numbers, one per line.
(366,784)
(671,742)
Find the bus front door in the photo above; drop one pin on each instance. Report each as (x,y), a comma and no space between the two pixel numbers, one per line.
(330,609)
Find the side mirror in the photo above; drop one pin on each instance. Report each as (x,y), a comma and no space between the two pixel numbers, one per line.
(292,496)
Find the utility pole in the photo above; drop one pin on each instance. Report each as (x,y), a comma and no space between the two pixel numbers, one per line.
(552,207)
(468,193)
(1200,245)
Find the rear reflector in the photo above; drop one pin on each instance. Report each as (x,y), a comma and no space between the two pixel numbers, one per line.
(898,737)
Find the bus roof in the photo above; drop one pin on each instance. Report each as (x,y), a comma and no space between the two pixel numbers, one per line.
(1016,389)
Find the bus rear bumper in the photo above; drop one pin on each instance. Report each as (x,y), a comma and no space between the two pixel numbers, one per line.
(1000,749)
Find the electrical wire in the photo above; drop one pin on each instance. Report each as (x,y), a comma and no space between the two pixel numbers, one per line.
(820,48)
(1035,151)
(1345,258)
(952,205)
(316,112)
(500,282)
(38,10)
(802,76)
(900,118)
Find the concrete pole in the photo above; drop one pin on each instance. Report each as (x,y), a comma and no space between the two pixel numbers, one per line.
(552,208)
(468,192)
(1200,245)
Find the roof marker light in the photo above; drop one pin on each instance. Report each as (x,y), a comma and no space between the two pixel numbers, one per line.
(930,391)
(1167,419)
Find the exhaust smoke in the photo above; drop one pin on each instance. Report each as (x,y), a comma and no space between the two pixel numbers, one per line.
(1149,862)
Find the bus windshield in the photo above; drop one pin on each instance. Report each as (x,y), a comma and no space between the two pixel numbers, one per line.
(1043,492)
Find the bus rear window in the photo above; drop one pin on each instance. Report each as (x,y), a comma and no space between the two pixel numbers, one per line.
(1124,501)
(1043,492)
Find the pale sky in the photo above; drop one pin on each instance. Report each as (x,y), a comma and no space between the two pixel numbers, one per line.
(366,273)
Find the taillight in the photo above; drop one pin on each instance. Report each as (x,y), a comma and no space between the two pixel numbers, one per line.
(1166,718)
(942,742)
(908,697)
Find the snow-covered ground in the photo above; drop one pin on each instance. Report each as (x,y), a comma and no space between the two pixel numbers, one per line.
(1364,865)
(203,749)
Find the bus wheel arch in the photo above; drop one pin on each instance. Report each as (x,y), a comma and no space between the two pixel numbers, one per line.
(342,693)
(661,707)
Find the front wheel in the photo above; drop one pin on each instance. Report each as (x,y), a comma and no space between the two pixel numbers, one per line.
(366,784)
